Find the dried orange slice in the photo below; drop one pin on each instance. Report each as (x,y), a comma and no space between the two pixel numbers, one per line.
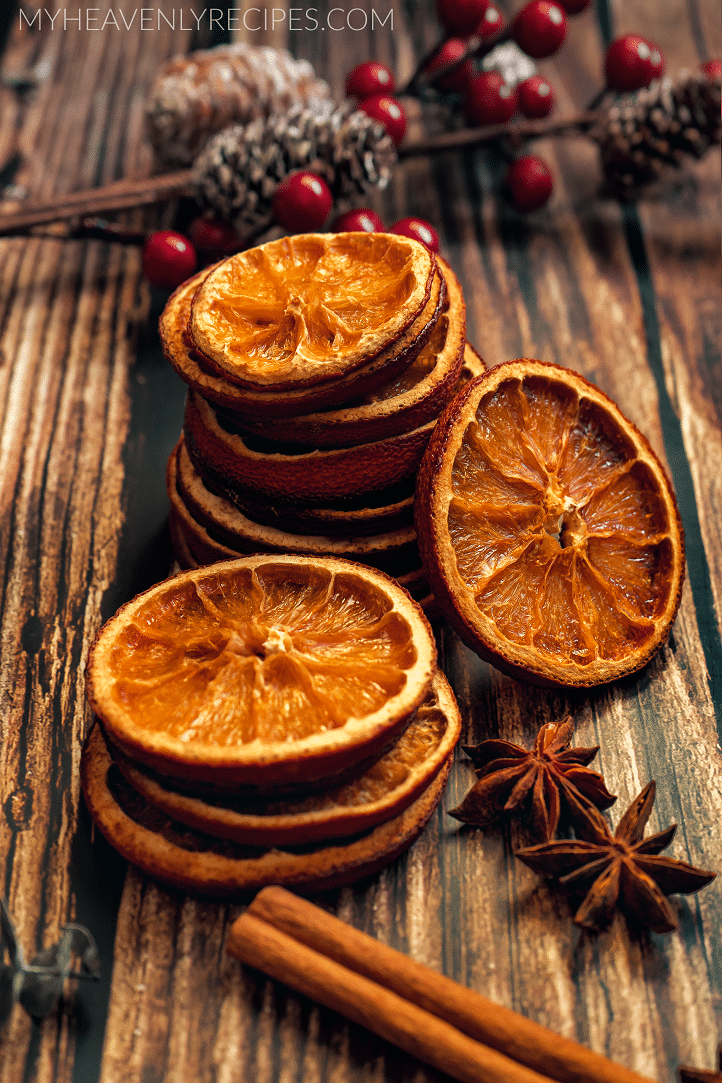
(473,366)
(382,791)
(307,476)
(302,309)
(194,505)
(548,528)
(262,670)
(188,859)
(257,403)
(412,398)
(194,548)
(373,513)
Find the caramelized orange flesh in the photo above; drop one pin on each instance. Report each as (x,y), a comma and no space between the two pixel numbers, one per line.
(301,308)
(273,653)
(558,524)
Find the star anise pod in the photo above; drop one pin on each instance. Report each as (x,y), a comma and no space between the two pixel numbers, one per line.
(702,1075)
(621,869)
(547,775)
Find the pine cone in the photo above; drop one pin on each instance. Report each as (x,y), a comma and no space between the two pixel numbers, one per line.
(195,96)
(240,168)
(643,136)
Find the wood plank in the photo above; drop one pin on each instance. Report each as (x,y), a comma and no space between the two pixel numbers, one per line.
(563,286)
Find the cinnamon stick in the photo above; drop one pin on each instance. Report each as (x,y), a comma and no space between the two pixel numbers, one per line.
(500,1028)
(361,1000)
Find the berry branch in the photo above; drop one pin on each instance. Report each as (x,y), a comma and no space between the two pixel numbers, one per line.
(289,169)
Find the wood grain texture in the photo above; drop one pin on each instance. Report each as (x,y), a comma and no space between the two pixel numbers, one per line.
(630,297)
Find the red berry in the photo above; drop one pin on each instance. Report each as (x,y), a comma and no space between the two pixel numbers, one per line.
(628,64)
(573,7)
(492,23)
(530,183)
(369,78)
(168,258)
(458,79)
(489,100)
(418,230)
(712,69)
(302,202)
(362,220)
(540,28)
(536,97)
(387,111)
(214,236)
(461,16)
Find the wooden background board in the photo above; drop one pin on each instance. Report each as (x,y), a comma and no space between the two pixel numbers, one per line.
(628,296)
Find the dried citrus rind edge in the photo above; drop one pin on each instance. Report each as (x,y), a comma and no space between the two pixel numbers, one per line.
(257,762)
(478,632)
(220,876)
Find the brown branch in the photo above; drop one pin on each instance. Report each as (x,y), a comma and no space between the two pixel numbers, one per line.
(516,133)
(121,196)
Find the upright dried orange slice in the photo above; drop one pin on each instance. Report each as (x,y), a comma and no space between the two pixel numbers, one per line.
(302,309)
(381,791)
(548,528)
(262,670)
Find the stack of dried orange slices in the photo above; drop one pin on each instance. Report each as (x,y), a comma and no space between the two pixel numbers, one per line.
(271,719)
(317,367)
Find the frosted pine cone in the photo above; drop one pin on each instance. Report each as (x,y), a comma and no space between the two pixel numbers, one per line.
(240,168)
(195,96)
(641,137)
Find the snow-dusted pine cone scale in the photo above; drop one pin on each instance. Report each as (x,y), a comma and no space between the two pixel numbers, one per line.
(196,95)
(237,173)
(642,136)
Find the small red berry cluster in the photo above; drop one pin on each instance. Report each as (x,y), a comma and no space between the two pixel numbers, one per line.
(472,28)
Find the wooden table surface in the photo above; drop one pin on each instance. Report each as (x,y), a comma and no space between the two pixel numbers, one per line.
(630,297)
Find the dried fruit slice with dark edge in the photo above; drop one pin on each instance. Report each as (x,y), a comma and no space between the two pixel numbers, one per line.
(178,855)
(308,308)
(263,669)
(373,513)
(307,475)
(217,530)
(255,403)
(414,397)
(381,792)
(548,528)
